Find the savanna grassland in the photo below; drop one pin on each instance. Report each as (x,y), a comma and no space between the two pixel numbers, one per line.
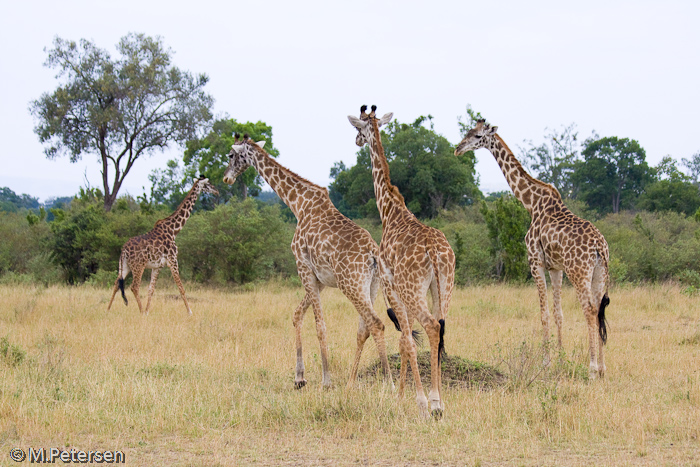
(217,388)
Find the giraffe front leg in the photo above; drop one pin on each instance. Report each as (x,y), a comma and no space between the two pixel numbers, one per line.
(176,276)
(538,275)
(556,277)
(152,287)
(321,334)
(298,320)
(313,291)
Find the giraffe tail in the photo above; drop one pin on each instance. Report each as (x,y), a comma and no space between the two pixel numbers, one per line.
(121,287)
(433,255)
(441,345)
(417,338)
(122,276)
(602,328)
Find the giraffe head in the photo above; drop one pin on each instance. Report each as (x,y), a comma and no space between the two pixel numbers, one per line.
(364,124)
(241,157)
(204,186)
(476,138)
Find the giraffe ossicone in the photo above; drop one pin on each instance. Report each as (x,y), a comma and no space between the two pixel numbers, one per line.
(558,242)
(157,249)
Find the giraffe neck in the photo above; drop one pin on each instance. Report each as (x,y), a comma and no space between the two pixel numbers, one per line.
(295,191)
(527,189)
(389,201)
(176,221)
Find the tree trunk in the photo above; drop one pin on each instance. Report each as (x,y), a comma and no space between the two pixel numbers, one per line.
(109,201)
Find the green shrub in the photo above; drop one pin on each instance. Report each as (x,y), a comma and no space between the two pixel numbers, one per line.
(237,242)
(507,222)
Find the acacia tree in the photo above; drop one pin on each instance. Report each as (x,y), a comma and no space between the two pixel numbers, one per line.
(118,109)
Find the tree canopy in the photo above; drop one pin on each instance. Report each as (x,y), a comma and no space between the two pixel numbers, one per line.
(208,156)
(118,109)
(671,191)
(613,173)
(422,165)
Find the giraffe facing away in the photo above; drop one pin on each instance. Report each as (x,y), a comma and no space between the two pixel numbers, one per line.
(558,241)
(413,258)
(330,251)
(157,249)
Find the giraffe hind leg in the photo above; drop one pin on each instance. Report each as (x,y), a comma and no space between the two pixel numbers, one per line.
(136,284)
(152,288)
(600,302)
(363,334)
(119,282)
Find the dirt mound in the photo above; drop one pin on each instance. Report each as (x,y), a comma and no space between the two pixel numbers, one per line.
(457,372)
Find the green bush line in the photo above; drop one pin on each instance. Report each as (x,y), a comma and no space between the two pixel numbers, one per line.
(248,241)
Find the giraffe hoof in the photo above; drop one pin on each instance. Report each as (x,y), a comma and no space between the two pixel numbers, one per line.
(436,414)
(299,384)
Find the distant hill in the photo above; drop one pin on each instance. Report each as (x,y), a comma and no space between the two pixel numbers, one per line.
(12,202)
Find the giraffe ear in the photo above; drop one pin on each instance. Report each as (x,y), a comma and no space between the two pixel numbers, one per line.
(261,143)
(491,130)
(356,122)
(236,148)
(385,119)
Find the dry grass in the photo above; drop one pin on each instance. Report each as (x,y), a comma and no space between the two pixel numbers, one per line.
(217,388)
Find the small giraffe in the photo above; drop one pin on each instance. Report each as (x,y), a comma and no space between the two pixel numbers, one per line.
(413,258)
(156,249)
(330,251)
(558,241)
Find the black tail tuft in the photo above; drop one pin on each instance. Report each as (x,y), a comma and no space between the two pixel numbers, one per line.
(121,287)
(441,345)
(417,337)
(602,328)
(393,318)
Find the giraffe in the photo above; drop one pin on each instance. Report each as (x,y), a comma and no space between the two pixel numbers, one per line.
(330,251)
(558,241)
(413,258)
(157,248)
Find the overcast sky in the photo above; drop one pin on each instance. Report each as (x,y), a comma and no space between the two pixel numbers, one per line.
(621,68)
